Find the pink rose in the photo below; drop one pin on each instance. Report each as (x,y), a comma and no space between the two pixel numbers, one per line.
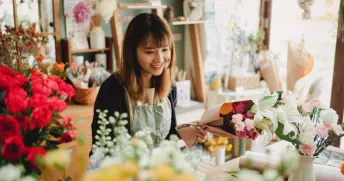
(298,101)
(249,124)
(307,149)
(307,107)
(237,118)
(284,96)
(240,134)
(322,131)
(328,125)
(315,102)
(337,129)
(239,126)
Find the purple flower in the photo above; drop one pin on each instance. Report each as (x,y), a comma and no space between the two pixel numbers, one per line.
(81,12)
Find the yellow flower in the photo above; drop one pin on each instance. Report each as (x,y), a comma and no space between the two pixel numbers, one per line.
(229,147)
(130,167)
(185,177)
(163,172)
(59,159)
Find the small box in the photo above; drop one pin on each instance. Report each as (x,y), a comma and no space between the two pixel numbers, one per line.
(183,92)
(247,82)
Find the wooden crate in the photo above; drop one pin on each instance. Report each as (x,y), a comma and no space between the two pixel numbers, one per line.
(250,82)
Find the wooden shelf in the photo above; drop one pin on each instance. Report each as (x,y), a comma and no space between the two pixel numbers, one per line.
(90,50)
(139,6)
(188,22)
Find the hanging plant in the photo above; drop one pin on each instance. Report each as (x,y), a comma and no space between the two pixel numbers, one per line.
(306,6)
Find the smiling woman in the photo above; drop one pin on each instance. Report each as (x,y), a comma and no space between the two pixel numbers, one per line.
(143,86)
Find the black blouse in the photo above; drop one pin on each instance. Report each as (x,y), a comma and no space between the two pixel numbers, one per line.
(111,97)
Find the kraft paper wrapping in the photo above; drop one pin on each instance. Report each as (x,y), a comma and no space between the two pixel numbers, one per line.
(188,132)
(270,71)
(261,161)
(300,63)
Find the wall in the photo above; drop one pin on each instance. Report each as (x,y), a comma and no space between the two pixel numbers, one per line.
(126,15)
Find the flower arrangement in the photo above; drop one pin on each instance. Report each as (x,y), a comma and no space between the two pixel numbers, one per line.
(31,120)
(17,44)
(216,143)
(58,68)
(288,163)
(238,119)
(310,127)
(135,158)
(82,11)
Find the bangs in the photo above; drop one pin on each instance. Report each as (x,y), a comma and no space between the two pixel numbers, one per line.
(160,39)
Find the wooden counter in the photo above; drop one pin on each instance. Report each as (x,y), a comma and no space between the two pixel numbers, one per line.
(323,173)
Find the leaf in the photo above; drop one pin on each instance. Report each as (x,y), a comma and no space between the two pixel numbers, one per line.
(51,145)
(2,95)
(56,131)
(233,173)
(279,133)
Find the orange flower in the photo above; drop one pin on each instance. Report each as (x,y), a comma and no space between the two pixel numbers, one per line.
(73,66)
(39,58)
(341,167)
(226,108)
(59,67)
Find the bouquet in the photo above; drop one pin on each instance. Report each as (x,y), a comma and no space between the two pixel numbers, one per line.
(135,158)
(311,127)
(16,46)
(30,116)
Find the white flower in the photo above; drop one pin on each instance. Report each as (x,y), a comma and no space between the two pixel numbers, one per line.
(263,109)
(290,160)
(272,175)
(106,8)
(28,178)
(288,114)
(250,175)
(9,172)
(337,129)
(145,175)
(329,116)
(249,124)
(307,138)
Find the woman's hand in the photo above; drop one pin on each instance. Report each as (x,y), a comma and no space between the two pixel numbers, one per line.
(201,135)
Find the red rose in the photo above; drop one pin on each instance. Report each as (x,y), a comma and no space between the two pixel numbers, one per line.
(9,78)
(41,116)
(67,122)
(38,88)
(51,84)
(240,134)
(13,148)
(25,123)
(67,137)
(252,134)
(33,154)
(8,127)
(35,77)
(38,100)
(15,100)
(57,104)
(66,89)
(56,79)
(249,115)
(241,106)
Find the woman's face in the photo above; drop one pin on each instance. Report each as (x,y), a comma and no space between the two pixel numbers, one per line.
(153,59)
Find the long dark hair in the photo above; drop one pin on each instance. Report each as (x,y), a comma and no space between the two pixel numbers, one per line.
(136,35)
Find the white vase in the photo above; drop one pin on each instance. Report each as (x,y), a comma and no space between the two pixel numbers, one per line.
(101,59)
(305,170)
(220,156)
(97,37)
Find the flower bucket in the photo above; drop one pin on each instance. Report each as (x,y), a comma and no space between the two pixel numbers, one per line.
(86,96)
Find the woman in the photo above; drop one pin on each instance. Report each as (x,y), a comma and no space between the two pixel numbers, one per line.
(143,86)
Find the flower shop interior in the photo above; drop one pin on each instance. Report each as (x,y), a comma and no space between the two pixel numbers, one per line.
(268,71)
